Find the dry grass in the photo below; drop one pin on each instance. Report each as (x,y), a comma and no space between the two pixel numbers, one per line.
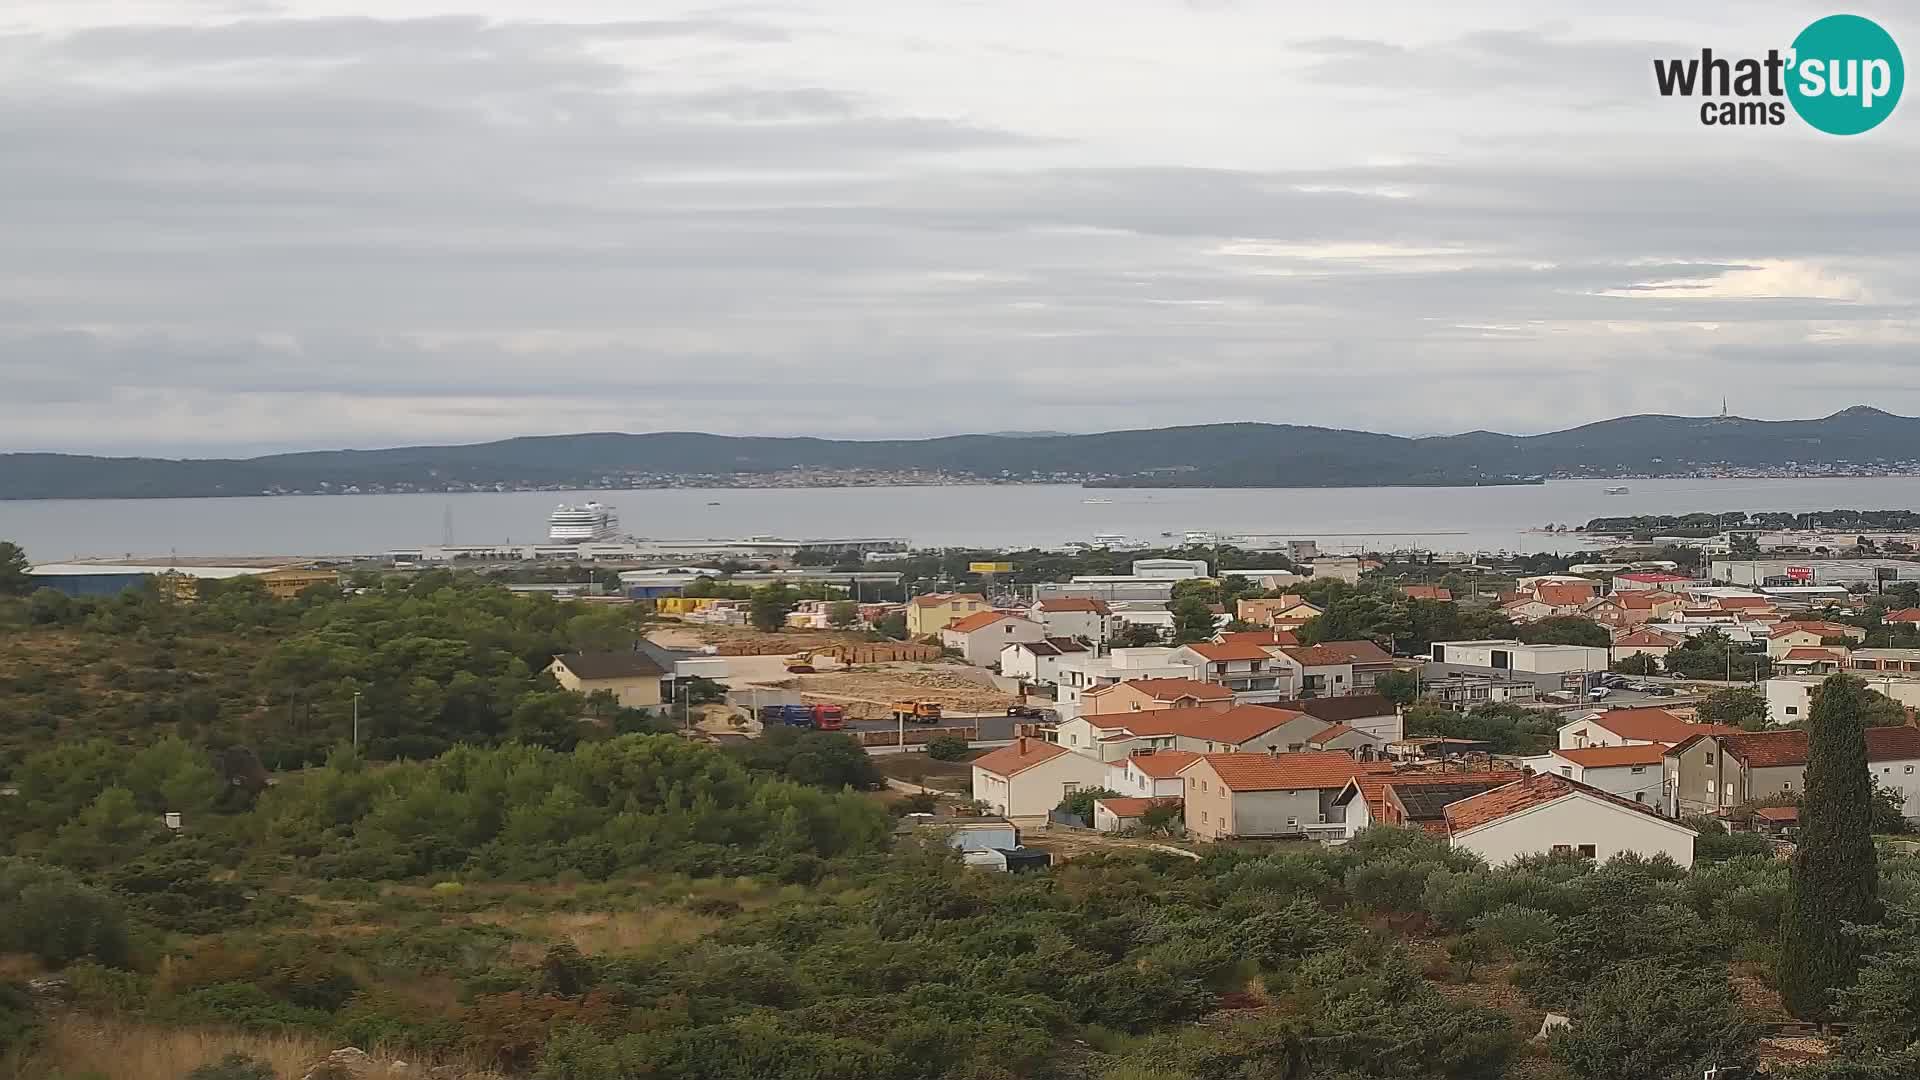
(16,967)
(600,932)
(77,1046)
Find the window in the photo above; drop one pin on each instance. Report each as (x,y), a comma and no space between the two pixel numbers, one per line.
(1586,851)
(1786,785)
(1566,771)
(1909,770)
(1639,796)
(1293,823)
(1793,710)
(1070,788)
(1562,849)
(1709,757)
(1203,785)
(1203,817)
(1638,769)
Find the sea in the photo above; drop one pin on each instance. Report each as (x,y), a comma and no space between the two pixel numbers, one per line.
(1485,519)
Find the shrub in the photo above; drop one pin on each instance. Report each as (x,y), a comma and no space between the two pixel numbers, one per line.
(234,1067)
(50,914)
(947,748)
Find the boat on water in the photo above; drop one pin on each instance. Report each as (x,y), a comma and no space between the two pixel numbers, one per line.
(1096,502)
(583,524)
(1616,491)
(1117,542)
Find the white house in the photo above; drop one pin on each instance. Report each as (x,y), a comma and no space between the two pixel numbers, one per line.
(1646,641)
(1514,655)
(1635,771)
(1149,773)
(1790,697)
(1318,671)
(1114,814)
(1170,569)
(1549,813)
(1081,617)
(1029,777)
(979,637)
(1253,672)
(1629,727)
(1037,661)
(1080,672)
(1243,729)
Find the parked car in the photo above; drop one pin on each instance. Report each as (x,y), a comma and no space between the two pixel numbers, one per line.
(1661,691)
(1025,712)
(1614,682)
(1599,693)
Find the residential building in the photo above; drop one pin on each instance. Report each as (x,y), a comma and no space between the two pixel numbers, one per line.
(1265,638)
(1414,799)
(1427,592)
(1150,774)
(633,678)
(1345,568)
(1115,814)
(1650,581)
(1318,671)
(1712,773)
(1286,612)
(1372,715)
(1907,616)
(1148,695)
(1631,727)
(1790,697)
(1245,796)
(1635,771)
(1086,618)
(1624,610)
(1241,729)
(1821,630)
(1037,661)
(979,637)
(929,614)
(1084,671)
(1547,813)
(1029,777)
(1528,610)
(1251,671)
(1646,641)
(1368,661)
(1811,660)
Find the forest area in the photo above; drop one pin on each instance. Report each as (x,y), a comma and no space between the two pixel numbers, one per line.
(487,887)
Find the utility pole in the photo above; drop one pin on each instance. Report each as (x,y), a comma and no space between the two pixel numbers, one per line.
(356,721)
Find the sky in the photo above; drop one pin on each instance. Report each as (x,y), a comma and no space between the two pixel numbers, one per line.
(238,226)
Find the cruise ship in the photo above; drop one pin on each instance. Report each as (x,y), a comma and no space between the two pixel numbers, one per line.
(583,524)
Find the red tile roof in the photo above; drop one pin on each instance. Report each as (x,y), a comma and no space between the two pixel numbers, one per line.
(1231,726)
(937,599)
(1771,749)
(1359,652)
(1601,757)
(1373,787)
(1426,592)
(1019,756)
(1730,603)
(1286,772)
(1258,637)
(1654,725)
(1650,578)
(1563,594)
(979,620)
(1535,790)
(1819,629)
(1075,603)
(1170,689)
(1223,653)
(1316,655)
(1636,599)
(1329,734)
(1777,813)
(1163,764)
(1810,652)
(1645,636)
(1133,808)
(1905,614)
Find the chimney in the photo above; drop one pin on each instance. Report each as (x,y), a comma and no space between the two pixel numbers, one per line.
(1021,746)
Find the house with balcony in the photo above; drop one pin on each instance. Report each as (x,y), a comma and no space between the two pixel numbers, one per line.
(1085,618)
(1250,671)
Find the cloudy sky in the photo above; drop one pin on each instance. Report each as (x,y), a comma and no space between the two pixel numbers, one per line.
(230,226)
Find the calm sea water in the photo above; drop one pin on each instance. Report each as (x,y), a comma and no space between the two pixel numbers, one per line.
(1441,519)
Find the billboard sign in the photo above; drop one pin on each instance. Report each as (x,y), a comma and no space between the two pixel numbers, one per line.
(990,567)
(1800,573)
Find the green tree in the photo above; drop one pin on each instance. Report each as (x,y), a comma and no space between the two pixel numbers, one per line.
(770,605)
(1741,706)
(111,830)
(1399,687)
(1744,546)
(14,580)
(1136,636)
(1647,1021)
(1835,874)
(1637,664)
(1192,620)
(948,748)
(1081,801)
(604,628)
(842,614)
(893,624)
(1566,630)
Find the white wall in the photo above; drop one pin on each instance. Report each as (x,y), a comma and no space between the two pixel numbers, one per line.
(1128,780)
(982,647)
(1571,736)
(1646,786)
(1902,776)
(1032,792)
(1575,820)
(1091,625)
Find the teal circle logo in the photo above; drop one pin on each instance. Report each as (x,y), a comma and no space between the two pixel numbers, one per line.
(1847,75)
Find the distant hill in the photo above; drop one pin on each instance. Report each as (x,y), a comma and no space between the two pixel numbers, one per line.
(1209,455)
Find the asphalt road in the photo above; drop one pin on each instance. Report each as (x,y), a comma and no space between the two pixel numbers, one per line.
(994,727)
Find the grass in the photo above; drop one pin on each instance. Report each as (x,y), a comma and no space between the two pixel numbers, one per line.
(918,768)
(603,932)
(77,1046)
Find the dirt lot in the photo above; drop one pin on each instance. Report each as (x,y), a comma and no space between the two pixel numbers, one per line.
(954,776)
(696,635)
(869,687)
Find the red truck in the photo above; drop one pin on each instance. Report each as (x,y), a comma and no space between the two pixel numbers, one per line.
(829,717)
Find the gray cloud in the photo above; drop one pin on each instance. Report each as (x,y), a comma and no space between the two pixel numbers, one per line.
(362,230)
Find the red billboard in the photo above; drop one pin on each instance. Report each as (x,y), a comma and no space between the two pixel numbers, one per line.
(1800,573)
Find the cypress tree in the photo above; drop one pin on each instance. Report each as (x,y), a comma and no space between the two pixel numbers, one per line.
(1835,878)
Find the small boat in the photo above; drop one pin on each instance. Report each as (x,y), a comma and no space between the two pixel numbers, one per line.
(713,504)
(1616,491)
(1096,502)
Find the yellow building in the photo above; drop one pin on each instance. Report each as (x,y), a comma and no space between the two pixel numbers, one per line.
(931,613)
(682,605)
(288,582)
(632,677)
(281,583)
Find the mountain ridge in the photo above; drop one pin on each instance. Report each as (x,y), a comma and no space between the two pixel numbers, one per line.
(1233,454)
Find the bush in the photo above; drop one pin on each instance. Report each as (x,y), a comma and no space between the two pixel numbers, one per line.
(50,914)
(18,1019)
(948,748)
